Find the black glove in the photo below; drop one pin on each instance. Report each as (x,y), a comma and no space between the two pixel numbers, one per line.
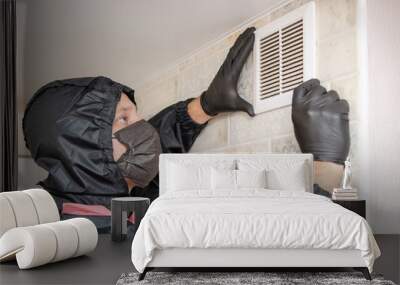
(222,94)
(321,122)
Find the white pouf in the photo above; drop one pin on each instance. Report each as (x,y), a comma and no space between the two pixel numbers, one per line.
(31,230)
(40,244)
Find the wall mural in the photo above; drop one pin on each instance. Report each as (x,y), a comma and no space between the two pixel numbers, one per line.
(87,133)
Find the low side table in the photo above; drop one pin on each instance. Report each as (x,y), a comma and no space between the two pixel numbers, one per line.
(120,209)
(357,206)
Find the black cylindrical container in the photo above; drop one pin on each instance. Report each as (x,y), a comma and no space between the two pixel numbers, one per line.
(120,209)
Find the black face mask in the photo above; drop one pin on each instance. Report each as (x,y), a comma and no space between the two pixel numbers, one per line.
(140,161)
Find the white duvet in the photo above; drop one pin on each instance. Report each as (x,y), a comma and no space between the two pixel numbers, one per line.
(250,219)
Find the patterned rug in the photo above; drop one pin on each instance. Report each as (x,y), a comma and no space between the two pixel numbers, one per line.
(244,278)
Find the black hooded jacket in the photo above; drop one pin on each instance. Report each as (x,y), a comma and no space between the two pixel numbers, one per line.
(68,129)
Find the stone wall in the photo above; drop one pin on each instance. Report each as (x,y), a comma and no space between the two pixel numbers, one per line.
(337,68)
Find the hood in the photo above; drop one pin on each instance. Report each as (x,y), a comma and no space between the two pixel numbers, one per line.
(68,128)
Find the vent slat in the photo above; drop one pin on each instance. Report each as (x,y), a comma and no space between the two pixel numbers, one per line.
(291,70)
(270,49)
(268,38)
(270,58)
(269,93)
(270,52)
(295,82)
(287,49)
(269,44)
(295,61)
(295,41)
(295,34)
(270,88)
(266,68)
(294,78)
(271,64)
(295,31)
(269,77)
(294,73)
(292,61)
(294,56)
(291,79)
(270,84)
(292,26)
(295,52)
(270,41)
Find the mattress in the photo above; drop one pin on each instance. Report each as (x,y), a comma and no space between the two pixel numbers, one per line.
(251,219)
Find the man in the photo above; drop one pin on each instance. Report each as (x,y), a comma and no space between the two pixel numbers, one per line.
(87,134)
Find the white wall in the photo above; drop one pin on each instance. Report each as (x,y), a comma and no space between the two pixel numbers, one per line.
(383,37)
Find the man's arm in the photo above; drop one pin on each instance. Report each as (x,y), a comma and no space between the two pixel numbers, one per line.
(321,125)
(222,95)
(197,113)
(180,124)
(328,175)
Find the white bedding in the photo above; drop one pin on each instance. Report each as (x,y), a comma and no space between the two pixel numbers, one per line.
(250,218)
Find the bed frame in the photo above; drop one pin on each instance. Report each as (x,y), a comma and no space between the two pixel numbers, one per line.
(244,259)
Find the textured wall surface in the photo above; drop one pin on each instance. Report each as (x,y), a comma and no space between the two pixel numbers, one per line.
(383,112)
(270,131)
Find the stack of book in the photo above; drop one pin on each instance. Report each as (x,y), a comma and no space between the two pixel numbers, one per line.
(344,194)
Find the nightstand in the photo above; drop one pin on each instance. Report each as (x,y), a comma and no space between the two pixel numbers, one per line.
(357,206)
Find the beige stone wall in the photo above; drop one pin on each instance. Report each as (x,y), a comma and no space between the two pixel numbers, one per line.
(271,131)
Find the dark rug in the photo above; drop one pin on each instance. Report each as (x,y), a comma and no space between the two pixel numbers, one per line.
(269,278)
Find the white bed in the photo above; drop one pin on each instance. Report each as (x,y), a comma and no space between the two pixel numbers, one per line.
(203,218)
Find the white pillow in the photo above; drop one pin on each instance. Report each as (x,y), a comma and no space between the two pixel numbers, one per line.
(282,174)
(226,179)
(182,177)
(251,178)
(223,179)
(294,180)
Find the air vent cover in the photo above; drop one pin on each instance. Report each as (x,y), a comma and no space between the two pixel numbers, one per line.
(284,56)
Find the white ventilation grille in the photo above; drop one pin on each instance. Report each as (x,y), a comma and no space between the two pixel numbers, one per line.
(284,58)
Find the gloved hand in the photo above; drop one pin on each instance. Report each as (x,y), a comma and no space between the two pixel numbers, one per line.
(321,122)
(222,94)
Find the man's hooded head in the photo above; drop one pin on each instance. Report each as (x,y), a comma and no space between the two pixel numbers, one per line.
(68,129)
